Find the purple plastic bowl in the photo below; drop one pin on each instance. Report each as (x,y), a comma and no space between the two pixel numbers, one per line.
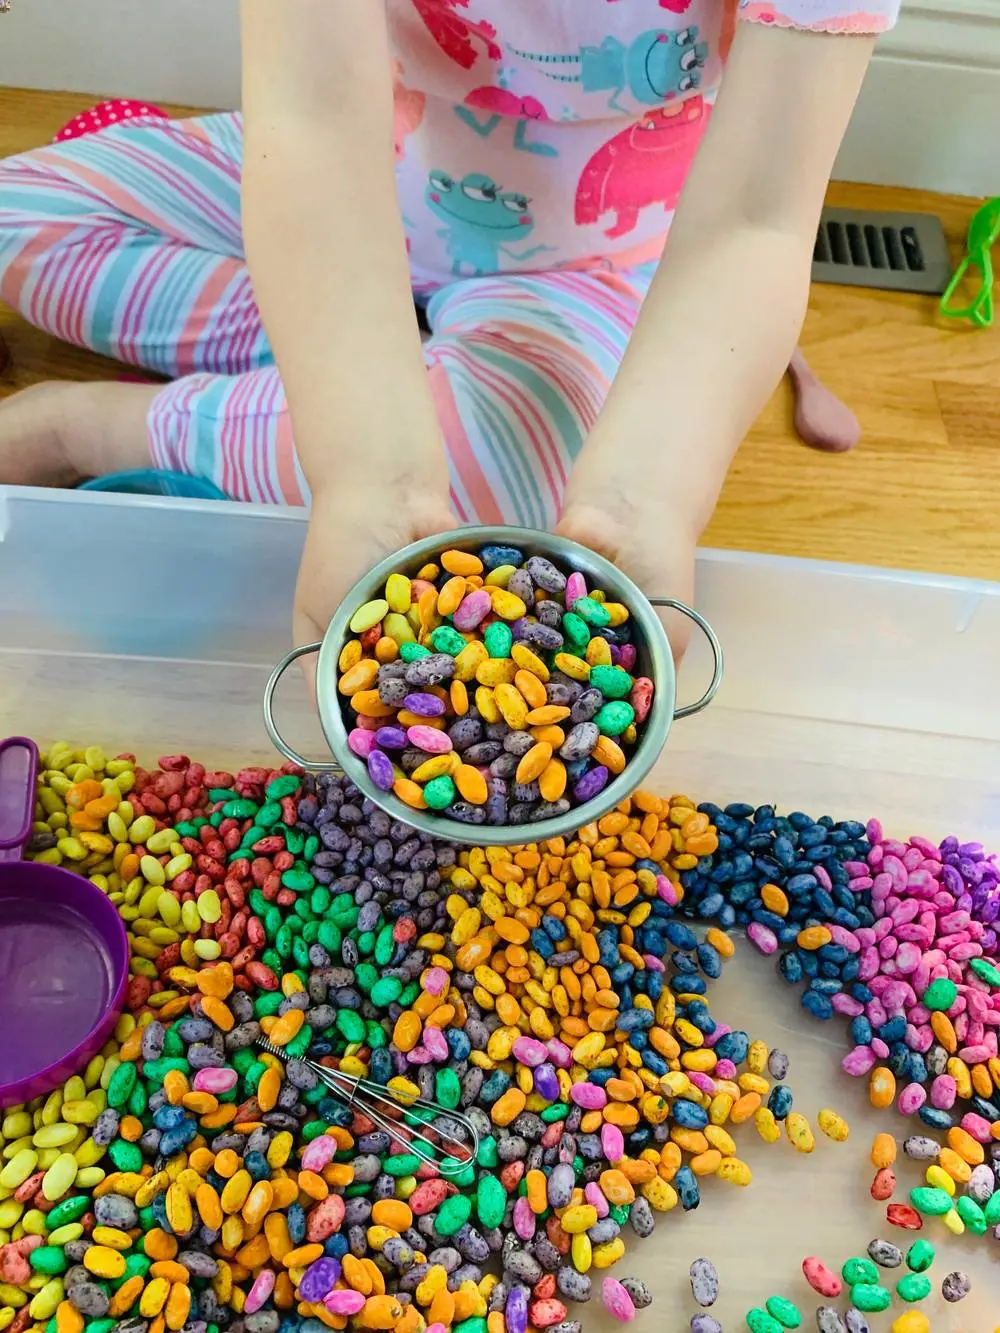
(63,951)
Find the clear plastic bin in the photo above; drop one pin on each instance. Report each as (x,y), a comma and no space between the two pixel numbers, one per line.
(152,624)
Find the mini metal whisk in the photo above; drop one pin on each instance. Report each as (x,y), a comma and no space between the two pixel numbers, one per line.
(371,1099)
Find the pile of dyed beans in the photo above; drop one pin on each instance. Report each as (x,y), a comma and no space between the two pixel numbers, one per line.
(492,688)
(553,993)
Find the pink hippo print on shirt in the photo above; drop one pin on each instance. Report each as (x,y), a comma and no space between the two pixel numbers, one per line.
(458,36)
(643,165)
(501,104)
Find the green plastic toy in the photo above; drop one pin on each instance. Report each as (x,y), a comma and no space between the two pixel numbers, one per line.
(984,232)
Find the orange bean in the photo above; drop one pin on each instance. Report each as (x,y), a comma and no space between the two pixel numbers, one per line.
(216,981)
(218,1013)
(178,1306)
(159,1244)
(392,1213)
(286,1027)
(268,1088)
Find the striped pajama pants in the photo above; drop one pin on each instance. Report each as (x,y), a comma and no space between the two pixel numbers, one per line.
(128,242)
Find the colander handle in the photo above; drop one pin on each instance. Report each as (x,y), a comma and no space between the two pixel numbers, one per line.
(18,770)
(277,740)
(717,655)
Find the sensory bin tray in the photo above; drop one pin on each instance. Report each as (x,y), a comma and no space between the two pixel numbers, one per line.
(151,626)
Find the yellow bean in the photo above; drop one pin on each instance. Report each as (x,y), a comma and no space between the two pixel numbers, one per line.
(799,1132)
(19,1168)
(59,1177)
(45,1302)
(833,1125)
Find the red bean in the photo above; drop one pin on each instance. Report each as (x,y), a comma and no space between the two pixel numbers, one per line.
(28,1187)
(152,804)
(884,1184)
(216,778)
(260,870)
(255,932)
(173,762)
(184,882)
(137,992)
(285,898)
(229,945)
(168,784)
(246,1111)
(244,957)
(235,892)
(510,1176)
(242,983)
(283,861)
(559,1238)
(289,811)
(257,777)
(169,957)
(267,846)
(261,976)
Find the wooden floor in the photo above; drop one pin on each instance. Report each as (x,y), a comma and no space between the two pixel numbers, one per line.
(921,492)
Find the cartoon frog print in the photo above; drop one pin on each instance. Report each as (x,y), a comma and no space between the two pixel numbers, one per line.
(482,221)
(657,66)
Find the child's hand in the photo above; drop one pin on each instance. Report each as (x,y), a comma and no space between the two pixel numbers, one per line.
(643,535)
(350,531)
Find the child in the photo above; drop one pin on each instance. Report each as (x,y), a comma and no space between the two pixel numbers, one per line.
(540,149)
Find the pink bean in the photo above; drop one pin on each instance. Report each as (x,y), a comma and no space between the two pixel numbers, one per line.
(529,1052)
(473,610)
(429,740)
(260,1291)
(361,742)
(576,587)
(215,1080)
(595,1196)
(524,1219)
(319,1153)
(344,1301)
(612,1142)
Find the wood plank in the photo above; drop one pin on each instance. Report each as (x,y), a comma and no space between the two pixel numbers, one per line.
(922,491)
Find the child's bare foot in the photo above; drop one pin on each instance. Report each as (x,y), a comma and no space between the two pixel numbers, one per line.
(59,434)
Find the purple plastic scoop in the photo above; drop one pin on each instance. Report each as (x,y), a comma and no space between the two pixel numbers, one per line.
(63,951)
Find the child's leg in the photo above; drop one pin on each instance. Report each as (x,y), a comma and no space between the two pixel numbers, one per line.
(520,367)
(128,242)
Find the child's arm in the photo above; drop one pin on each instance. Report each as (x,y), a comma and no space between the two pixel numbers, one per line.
(723,314)
(327,256)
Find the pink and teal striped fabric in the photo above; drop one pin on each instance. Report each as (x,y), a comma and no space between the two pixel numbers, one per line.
(129,242)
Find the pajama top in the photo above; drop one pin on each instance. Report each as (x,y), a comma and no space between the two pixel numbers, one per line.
(557,134)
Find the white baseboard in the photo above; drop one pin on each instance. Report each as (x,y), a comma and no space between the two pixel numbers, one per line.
(928,117)
(929,114)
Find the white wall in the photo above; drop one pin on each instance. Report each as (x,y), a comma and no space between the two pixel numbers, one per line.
(929,115)
(176,50)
